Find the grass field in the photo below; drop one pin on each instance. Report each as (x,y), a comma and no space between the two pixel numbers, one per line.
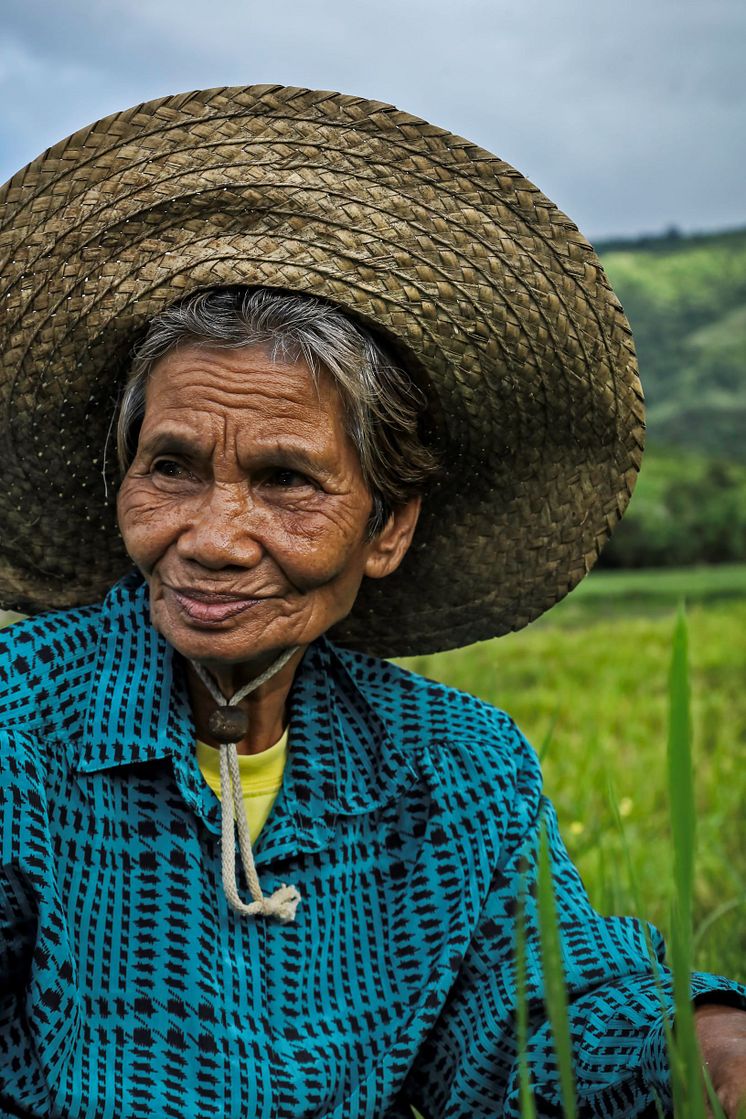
(588,686)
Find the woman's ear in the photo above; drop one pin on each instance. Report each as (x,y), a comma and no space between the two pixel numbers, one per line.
(389,546)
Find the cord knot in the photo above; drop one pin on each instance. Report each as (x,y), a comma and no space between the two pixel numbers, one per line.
(282,904)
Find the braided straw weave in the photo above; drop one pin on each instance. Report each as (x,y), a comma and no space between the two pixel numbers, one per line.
(489,293)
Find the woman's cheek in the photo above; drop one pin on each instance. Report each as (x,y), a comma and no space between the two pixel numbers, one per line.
(146,521)
(313,550)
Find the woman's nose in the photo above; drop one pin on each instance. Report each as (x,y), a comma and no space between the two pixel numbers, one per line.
(221,532)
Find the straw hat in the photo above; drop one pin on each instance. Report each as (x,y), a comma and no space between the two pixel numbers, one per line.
(486,290)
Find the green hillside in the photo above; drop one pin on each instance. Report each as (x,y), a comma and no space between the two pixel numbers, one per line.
(685,298)
(687,508)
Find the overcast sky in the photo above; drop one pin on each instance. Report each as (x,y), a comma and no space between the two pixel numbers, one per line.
(631,115)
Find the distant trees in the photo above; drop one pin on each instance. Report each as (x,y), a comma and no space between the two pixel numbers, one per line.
(685,297)
(686,510)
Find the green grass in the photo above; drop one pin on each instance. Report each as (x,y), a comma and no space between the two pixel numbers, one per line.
(685,1060)
(662,585)
(643,593)
(594,675)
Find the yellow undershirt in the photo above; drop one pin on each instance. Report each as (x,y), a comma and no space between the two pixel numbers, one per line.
(261,778)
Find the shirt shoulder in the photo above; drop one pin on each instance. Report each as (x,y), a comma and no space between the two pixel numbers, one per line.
(46,664)
(398,694)
(476,749)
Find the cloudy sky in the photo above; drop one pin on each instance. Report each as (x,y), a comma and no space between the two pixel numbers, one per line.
(631,115)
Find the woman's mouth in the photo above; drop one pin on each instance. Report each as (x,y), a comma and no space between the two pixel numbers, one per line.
(205,606)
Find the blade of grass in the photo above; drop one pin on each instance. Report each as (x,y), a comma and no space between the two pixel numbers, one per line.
(715,1108)
(528,1111)
(680,780)
(652,957)
(547,740)
(713,918)
(555,994)
(686,1079)
(616,816)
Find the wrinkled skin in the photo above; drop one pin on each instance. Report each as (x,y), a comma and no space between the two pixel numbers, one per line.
(246,510)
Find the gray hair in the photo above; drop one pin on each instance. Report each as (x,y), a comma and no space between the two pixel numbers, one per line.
(384,409)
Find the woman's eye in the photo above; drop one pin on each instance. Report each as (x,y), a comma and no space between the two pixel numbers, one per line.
(167,468)
(288,479)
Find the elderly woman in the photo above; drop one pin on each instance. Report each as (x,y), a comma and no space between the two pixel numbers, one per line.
(381,401)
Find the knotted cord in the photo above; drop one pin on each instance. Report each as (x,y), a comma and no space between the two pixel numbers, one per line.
(284,901)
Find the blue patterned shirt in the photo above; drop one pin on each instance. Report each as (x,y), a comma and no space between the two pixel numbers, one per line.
(128,987)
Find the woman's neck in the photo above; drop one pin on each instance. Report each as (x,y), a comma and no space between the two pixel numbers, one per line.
(266,707)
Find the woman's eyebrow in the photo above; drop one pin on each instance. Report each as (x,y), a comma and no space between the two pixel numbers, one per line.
(292,457)
(176,443)
(288,456)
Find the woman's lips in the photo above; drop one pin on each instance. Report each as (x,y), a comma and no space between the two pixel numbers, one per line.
(205,607)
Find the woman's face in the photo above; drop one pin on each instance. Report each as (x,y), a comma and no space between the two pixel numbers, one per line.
(245,507)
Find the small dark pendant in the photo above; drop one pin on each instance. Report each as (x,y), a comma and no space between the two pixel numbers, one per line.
(228,724)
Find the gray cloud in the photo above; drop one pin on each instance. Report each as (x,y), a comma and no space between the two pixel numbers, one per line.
(630,116)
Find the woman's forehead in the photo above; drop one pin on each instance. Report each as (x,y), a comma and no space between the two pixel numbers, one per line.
(201,402)
(212,378)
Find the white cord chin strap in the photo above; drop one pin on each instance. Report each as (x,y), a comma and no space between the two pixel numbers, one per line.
(284,901)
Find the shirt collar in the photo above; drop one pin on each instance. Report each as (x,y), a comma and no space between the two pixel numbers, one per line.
(138,708)
(342,759)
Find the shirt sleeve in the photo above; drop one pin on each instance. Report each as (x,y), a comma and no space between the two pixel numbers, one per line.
(618,1001)
(26,862)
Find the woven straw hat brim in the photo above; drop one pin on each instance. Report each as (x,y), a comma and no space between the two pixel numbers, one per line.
(485,288)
